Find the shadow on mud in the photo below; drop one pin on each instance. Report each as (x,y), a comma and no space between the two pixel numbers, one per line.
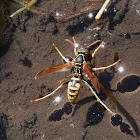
(129,84)
(3,126)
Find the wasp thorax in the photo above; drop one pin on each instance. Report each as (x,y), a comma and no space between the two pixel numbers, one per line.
(80,58)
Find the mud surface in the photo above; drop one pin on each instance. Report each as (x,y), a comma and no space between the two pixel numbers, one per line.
(29,49)
(4,20)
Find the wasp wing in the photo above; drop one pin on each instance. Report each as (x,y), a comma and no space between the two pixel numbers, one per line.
(108,93)
(65,80)
(59,86)
(93,78)
(98,86)
(50,70)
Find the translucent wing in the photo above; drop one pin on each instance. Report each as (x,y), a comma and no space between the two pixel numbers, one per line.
(59,86)
(108,93)
(93,78)
(65,80)
(98,86)
(50,70)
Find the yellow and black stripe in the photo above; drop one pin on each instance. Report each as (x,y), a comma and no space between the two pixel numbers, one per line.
(74,84)
(73,89)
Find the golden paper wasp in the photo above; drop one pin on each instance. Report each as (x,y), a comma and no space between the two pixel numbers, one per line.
(80,66)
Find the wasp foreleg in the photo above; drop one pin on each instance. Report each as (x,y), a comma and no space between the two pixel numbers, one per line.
(63,57)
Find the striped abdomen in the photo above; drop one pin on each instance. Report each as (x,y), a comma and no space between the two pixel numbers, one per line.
(73,89)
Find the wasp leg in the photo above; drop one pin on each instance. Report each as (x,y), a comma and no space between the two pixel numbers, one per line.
(103,68)
(98,99)
(48,94)
(60,83)
(97,49)
(63,57)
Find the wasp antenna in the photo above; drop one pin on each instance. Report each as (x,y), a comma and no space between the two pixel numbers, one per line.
(74,40)
(92,44)
(69,41)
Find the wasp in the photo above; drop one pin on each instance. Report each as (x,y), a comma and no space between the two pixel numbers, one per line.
(80,66)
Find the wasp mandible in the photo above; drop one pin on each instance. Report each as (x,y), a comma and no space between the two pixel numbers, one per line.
(74,80)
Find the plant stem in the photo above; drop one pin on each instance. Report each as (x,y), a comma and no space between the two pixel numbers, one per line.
(99,14)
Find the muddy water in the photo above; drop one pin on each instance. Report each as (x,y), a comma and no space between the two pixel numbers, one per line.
(31,50)
(4,20)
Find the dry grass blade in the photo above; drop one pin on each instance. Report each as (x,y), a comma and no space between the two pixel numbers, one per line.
(27,6)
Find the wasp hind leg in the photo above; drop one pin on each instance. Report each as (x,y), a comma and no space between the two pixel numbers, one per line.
(98,99)
(60,83)
(48,95)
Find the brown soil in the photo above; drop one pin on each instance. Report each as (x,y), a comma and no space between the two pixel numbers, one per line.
(29,49)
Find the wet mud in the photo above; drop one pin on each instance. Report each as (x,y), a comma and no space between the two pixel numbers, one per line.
(29,48)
